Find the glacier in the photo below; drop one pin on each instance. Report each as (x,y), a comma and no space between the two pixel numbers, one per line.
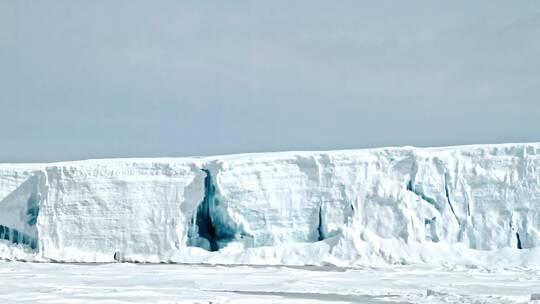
(462,205)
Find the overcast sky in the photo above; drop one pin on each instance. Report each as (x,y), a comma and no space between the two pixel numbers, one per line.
(93,79)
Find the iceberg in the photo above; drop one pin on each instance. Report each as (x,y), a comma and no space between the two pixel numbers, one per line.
(467,205)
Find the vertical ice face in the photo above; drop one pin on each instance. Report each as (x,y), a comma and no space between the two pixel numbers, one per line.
(22,190)
(390,204)
(484,197)
(269,199)
(296,197)
(98,210)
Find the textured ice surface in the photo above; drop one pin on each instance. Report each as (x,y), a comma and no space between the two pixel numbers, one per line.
(474,205)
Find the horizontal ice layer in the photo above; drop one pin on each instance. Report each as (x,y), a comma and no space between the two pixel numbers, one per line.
(348,207)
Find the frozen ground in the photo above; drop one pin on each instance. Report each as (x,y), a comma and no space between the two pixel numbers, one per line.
(174,283)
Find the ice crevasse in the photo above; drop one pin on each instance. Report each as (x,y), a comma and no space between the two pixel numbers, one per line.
(466,205)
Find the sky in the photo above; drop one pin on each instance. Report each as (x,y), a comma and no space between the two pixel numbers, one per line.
(103,79)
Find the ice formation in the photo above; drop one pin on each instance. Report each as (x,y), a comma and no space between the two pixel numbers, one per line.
(458,205)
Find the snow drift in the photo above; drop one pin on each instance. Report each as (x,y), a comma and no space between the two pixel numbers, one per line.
(474,205)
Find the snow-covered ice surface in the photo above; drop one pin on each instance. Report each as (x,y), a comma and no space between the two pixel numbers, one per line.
(469,205)
(173,283)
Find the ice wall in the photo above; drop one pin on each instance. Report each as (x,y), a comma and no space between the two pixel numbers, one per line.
(22,188)
(103,211)
(457,205)
(395,205)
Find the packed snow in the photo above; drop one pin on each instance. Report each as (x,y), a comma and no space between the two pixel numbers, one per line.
(199,284)
(468,205)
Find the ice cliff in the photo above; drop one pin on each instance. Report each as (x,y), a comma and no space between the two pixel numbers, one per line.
(469,205)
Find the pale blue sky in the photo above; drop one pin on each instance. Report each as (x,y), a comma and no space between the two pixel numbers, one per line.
(92,79)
